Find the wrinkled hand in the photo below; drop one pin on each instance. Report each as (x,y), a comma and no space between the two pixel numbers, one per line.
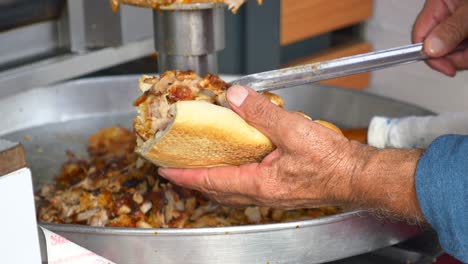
(310,167)
(443,25)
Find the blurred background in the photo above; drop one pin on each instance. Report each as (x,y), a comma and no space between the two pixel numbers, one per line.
(49,41)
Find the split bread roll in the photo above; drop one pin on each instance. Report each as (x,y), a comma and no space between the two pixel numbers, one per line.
(205,135)
(182,123)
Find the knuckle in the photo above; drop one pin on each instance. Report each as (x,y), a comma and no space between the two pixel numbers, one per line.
(296,133)
(288,135)
(303,129)
(258,109)
(262,114)
(454,31)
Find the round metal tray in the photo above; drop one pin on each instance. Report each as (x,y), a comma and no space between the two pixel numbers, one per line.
(50,120)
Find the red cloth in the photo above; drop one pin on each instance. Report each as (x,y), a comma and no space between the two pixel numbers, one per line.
(446,259)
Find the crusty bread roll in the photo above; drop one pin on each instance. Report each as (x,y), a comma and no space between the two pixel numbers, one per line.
(205,135)
(182,124)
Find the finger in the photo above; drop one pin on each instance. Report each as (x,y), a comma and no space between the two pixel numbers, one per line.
(215,180)
(258,111)
(443,65)
(430,16)
(234,200)
(268,160)
(446,36)
(459,59)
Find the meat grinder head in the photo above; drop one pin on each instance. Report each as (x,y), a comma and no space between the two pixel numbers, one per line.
(189,36)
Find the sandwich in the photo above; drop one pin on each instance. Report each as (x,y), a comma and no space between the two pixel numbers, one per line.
(184,121)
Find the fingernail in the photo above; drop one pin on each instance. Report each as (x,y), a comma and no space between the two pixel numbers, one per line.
(236,95)
(435,46)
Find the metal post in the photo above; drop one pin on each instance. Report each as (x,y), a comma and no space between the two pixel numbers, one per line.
(188,36)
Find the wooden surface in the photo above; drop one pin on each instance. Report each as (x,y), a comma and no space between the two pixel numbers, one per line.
(358,81)
(307,18)
(12,159)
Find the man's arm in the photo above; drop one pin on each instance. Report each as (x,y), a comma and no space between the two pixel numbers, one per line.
(311,166)
(386,183)
(430,188)
(442,189)
(314,166)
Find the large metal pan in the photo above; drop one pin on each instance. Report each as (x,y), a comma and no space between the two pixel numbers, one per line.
(51,120)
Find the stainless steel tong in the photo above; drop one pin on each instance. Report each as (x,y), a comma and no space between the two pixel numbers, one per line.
(293,76)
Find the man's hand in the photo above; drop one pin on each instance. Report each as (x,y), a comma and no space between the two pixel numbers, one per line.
(312,165)
(443,25)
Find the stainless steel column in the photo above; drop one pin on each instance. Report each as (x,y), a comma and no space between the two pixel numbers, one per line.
(188,36)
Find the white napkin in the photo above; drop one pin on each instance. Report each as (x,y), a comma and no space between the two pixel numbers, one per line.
(414,131)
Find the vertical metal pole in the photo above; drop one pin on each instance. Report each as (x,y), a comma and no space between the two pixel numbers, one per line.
(76,29)
(189,36)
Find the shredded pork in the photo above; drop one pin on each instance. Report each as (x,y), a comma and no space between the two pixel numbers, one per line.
(114,188)
(159,93)
(233,5)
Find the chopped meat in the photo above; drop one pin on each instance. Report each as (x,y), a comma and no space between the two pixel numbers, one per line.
(160,115)
(214,83)
(232,4)
(159,94)
(143,224)
(99,219)
(253,215)
(180,93)
(140,99)
(137,198)
(155,105)
(114,187)
(144,208)
(84,216)
(127,193)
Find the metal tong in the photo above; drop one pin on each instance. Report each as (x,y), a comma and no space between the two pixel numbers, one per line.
(319,71)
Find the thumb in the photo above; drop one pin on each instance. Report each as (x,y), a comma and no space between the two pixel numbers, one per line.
(445,37)
(258,111)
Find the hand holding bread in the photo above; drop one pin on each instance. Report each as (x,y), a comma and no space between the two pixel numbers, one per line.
(182,123)
(306,169)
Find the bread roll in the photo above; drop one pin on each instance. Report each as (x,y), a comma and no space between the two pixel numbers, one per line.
(182,123)
(205,135)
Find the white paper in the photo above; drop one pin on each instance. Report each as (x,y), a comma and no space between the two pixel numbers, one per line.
(62,251)
(19,242)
